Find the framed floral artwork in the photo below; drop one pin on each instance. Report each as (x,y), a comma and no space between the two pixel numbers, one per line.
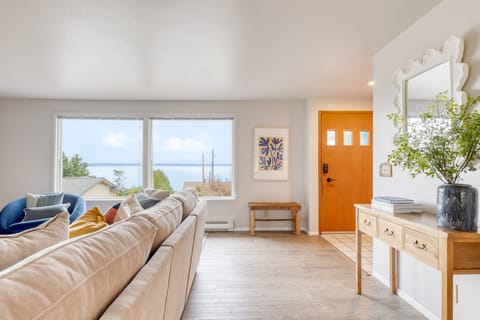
(271,154)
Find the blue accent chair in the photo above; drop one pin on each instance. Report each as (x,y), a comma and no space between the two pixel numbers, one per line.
(12,214)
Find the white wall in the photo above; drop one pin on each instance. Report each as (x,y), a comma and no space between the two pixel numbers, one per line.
(451,17)
(27,132)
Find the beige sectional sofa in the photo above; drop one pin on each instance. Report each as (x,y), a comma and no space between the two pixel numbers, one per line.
(140,268)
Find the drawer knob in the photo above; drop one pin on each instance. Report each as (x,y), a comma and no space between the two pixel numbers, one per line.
(365,221)
(389,232)
(422,246)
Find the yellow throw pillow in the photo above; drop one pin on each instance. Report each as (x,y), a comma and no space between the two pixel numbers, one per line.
(91,221)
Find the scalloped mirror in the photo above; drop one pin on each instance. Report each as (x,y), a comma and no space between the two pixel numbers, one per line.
(421,80)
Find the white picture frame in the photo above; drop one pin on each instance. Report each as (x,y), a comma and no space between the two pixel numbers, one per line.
(271,151)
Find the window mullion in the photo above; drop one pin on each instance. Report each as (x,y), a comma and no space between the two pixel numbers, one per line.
(147,153)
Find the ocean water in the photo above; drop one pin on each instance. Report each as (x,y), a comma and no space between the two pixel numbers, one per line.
(177,174)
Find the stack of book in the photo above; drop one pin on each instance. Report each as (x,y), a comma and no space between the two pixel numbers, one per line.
(396,205)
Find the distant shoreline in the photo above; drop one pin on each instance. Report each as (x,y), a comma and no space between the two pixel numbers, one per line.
(111,164)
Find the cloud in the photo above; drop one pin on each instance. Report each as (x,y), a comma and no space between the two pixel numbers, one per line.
(119,139)
(176,144)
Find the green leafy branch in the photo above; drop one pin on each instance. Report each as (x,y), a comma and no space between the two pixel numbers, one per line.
(443,142)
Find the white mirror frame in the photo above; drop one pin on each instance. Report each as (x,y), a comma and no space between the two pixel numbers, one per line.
(452,51)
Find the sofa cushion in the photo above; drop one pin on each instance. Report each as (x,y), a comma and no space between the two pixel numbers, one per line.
(181,240)
(166,216)
(16,247)
(43,199)
(44,212)
(189,199)
(145,296)
(200,213)
(91,221)
(77,279)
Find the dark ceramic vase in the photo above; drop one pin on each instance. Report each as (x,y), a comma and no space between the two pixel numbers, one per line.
(457,207)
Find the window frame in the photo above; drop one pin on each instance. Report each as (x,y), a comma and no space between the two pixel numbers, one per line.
(147,145)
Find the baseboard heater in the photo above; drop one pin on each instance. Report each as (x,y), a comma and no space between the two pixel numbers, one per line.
(219,225)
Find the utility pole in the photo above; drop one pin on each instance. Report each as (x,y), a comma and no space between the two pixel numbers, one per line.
(212,172)
(203,169)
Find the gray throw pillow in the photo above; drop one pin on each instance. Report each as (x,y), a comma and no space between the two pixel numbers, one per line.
(45,211)
(43,199)
(145,201)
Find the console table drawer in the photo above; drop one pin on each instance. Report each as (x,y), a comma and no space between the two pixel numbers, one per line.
(367,223)
(390,232)
(422,246)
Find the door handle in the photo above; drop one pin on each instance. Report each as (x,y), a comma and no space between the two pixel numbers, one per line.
(330,180)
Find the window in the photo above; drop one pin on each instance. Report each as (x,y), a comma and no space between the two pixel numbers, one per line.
(101,158)
(193,153)
(105,158)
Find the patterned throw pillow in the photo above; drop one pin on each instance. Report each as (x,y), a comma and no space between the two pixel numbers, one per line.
(43,199)
(45,211)
(123,210)
(91,221)
(111,213)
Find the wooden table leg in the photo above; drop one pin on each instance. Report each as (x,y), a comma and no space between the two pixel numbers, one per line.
(393,270)
(446,267)
(358,262)
(252,222)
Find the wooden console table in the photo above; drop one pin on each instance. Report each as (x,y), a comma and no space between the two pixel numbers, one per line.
(294,207)
(451,252)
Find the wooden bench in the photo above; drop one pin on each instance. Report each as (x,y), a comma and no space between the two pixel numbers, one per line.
(294,207)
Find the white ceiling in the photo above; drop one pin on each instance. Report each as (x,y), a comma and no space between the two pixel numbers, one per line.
(196,50)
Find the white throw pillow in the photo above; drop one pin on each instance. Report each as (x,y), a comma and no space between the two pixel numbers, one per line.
(127,207)
(157,193)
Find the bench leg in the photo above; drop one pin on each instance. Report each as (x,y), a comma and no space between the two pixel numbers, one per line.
(294,223)
(252,222)
(297,222)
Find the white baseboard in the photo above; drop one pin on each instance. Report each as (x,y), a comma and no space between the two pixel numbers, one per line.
(289,229)
(313,233)
(381,278)
(402,294)
(427,313)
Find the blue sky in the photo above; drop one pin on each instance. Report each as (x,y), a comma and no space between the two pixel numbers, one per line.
(174,141)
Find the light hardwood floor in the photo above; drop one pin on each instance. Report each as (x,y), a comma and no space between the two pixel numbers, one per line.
(346,244)
(283,276)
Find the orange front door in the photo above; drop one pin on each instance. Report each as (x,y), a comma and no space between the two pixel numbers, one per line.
(345,167)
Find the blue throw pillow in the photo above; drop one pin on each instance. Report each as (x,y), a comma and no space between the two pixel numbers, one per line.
(45,211)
